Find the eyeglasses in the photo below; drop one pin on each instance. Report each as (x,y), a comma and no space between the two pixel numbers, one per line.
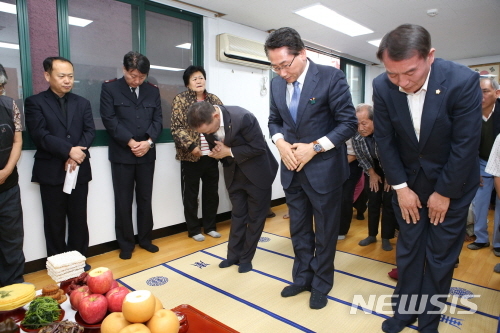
(276,69)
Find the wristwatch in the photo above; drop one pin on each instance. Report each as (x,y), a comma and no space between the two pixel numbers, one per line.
(317,147)
(151,143)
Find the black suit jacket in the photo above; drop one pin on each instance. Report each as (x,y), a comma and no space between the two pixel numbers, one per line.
(447,150)
(126,117)
(251,152)
(54,136)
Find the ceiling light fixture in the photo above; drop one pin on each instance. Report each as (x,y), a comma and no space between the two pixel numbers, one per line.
(375,42)
(7,8)
(432,12)
(186,46)
(9,46)
(11,9)
(79,22)
(166,68)
(331,19)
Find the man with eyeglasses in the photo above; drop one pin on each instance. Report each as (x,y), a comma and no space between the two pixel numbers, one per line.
(311,118)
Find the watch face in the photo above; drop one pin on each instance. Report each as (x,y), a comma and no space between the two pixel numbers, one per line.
(317,148)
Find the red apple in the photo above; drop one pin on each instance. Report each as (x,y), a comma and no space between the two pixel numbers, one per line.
(115,298)
(114,284)
(100,280)
(77,295)
(93,308)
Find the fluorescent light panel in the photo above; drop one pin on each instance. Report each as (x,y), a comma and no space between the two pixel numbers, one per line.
(7,8)
(331,19)
(79,22)
(375,42)
(186,46)
(11,9)
(9,46)
(166,68)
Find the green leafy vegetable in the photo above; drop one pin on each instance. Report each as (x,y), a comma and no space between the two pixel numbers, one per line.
(4,294)
(42,311)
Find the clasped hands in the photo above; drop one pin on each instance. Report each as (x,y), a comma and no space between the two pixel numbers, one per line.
(220,150)
(409,203)
(296,155)
(139,148)
(76,157)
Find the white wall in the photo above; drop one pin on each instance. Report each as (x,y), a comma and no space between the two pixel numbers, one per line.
(234,84)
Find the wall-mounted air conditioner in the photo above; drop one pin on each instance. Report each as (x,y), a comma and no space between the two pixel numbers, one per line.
(241,51)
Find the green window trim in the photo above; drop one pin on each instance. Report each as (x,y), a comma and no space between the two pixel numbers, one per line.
(344,62)
(138,41)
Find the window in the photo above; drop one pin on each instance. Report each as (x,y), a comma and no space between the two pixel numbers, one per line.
(354,71)
(97,49)
(355,75)
(170,38)
(169,49)
(10,50)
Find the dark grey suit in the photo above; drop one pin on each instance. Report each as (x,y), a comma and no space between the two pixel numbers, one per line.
(248,177)
(325,109)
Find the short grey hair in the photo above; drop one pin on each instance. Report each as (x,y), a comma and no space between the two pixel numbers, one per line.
(365,107)
(494,83)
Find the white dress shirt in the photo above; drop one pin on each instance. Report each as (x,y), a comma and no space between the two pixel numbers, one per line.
(416,105)
(323,141)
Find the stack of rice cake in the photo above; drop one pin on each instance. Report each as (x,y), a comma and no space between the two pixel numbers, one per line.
(64,266)
(16,295)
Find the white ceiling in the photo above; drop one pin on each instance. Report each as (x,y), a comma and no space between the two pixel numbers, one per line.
(462,29)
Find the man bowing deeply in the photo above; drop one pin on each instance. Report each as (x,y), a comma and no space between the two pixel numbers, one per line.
(311,118)
(427,128)
(235,137)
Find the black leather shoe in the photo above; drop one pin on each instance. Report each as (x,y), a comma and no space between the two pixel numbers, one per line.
(393,325)
(244,268)
(151,248)
(293,290)
(125,255)
(227,263)
(318,300)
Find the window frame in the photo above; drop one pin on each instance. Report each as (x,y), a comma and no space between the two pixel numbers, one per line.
(138,42)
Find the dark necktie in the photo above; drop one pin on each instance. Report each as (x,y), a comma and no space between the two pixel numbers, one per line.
(133,92)
(294,102)
(211,138)
(62,104)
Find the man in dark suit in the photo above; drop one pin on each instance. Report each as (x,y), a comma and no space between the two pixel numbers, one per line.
(131,113)
(62,128)
(235,137)
(311,118)
(427,128)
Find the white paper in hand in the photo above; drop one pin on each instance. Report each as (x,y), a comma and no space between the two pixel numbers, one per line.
(70,181)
